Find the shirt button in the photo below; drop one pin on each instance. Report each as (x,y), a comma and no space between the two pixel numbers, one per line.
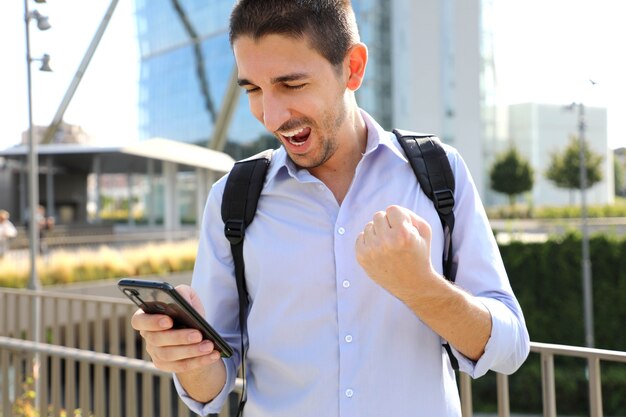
(346,284)
(349,393)
(348,338)
(341,230)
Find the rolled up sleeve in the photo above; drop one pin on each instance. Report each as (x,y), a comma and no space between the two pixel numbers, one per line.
(507,347)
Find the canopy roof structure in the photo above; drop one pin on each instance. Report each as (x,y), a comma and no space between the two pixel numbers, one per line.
(132,158)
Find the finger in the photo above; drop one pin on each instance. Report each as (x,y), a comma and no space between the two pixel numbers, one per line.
(151,322)
(421,225)
(189,364)
(397,216)
(162,354)
(178,337)
(381,224)
(360,239)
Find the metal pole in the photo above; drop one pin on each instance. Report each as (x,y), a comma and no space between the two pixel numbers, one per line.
(33,170)
(33,229)
(586,262)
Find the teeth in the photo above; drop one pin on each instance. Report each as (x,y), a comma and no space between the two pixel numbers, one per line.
(292,133)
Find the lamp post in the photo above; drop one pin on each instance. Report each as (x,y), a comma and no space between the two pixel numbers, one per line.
(33,194)
(33,163)
(586,261)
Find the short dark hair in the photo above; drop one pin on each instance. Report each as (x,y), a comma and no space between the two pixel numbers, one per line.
(329,25)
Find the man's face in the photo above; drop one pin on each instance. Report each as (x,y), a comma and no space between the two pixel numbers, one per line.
(296,93)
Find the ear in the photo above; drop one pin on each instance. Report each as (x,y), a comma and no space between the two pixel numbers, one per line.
(356,63)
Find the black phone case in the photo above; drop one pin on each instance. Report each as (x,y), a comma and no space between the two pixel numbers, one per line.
(159,297)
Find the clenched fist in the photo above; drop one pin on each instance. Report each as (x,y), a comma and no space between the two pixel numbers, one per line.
(394,250)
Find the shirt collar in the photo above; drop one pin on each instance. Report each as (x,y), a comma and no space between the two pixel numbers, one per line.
(376,137)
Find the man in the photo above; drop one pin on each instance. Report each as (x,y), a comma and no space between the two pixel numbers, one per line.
(7,231)
(343,260)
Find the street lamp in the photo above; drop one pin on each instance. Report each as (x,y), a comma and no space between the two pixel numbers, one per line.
(33,168)
(586,262)
(33,191)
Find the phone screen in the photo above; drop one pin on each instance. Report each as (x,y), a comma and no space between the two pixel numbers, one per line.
(157,297)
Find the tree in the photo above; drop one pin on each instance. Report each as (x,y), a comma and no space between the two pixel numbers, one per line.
(511,174)
(564,169)
(620,174)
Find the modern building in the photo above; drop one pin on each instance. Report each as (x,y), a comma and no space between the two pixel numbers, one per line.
(66,133)
(540,130)
(424,73)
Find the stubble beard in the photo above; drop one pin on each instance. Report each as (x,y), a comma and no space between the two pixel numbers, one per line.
(328,140)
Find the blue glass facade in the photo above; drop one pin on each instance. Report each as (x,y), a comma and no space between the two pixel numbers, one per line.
(186,62)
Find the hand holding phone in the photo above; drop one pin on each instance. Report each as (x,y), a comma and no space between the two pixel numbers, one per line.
(158,297)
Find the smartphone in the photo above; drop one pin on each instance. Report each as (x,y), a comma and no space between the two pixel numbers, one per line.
(159,297)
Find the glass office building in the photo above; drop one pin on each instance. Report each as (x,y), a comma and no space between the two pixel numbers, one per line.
(186,64)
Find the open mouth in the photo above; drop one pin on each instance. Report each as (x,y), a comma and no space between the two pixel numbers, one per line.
(297,137)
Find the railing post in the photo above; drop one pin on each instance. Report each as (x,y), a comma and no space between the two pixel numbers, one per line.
(5,404)
(547,383)
(466,394)
(504,408)
(595,387)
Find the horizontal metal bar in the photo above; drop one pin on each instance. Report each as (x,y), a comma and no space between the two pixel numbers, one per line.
(65,296)
(578,351)
(114,361)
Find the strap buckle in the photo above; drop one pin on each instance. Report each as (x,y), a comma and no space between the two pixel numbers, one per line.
(444,200)
(234,231)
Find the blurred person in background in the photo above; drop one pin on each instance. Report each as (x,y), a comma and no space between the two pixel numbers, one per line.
(7,231)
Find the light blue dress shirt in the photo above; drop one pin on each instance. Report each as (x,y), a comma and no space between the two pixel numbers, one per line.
(326,340)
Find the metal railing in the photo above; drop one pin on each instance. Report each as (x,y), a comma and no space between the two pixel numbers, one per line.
(547,353)
(98,395)
(91,359)
(88,357)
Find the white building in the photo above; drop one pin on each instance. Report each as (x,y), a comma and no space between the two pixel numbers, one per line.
(437,72)
(539,130)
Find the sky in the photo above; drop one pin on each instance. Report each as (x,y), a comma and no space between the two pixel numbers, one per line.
(546,51)
(105,103)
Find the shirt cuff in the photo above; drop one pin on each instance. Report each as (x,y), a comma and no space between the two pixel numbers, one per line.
(504,351)
(215,405)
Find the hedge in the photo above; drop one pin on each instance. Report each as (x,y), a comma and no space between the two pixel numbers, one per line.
(547,280)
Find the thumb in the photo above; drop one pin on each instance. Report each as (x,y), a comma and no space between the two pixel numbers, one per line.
(191,297)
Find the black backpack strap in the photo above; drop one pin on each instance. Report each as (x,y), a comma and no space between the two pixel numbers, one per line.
(241,195)
(432,169)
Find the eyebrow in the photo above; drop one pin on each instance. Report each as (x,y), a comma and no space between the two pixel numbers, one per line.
(281,79)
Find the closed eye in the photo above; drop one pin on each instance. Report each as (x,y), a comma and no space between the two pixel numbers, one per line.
(295,87)
(251,90)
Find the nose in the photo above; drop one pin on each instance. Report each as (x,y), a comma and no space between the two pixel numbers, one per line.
(275,112)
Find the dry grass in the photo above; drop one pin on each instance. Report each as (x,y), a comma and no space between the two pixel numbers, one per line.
(62,267)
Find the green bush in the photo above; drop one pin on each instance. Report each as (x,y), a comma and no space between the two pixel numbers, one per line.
(557,212)
(63,267)
(547,280)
